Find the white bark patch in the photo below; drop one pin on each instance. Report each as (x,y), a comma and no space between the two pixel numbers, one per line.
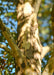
(36,33)
(26,26)
(27,9)
(37,56)
(33,66)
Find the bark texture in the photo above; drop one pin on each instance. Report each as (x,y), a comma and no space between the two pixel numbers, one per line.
(28,40)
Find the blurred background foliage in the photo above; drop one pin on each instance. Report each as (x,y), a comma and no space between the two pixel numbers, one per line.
(9,17)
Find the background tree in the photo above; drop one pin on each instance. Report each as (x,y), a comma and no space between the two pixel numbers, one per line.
(20,46)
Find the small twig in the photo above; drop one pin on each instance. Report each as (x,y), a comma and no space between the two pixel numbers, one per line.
(5,48)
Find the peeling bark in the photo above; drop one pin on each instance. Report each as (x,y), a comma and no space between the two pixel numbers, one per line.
(28,39)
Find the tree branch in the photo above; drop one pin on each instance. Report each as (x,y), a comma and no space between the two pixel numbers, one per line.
(16,51)
(46,49)
(49,68)
(5,48)
(37,6)
(52,18)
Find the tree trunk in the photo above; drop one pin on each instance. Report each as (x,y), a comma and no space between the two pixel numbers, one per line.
(28,40)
